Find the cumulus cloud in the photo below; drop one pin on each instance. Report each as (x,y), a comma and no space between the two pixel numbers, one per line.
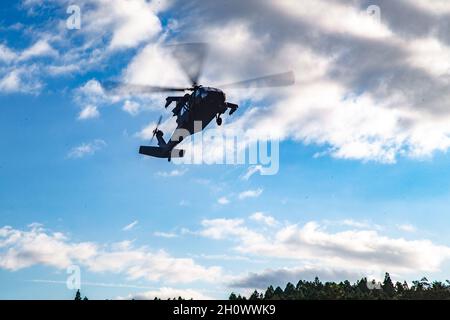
(88,112)
(19,79)
(40,49)
(21,70)
(352,249)
(85,149)
(264,218)
(21,249)
(407,227)
(10,82)
(131,22)
(92,96)
(223,200)
(108,27)
(6,54)
(36,246)
(131,107)
(366,89)
(221,229)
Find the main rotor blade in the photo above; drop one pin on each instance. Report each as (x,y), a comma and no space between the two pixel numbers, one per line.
(191,58)
(123,88)
(274,80)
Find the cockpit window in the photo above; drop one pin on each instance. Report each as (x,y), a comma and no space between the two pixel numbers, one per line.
(201,93)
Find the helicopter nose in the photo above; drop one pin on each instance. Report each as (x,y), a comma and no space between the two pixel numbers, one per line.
(219,95)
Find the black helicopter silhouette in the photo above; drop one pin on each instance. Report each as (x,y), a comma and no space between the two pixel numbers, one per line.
(201,106)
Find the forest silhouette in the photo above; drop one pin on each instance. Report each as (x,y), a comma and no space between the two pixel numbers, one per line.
(360,290)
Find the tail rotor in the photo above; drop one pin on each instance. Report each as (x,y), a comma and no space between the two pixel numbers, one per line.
(155,131)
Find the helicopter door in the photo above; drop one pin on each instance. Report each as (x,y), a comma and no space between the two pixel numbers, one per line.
(184,114)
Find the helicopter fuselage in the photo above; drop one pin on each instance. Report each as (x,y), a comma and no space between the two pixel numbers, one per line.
(204,104)
(194,112)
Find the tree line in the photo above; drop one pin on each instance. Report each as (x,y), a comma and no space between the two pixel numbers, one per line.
(360,290)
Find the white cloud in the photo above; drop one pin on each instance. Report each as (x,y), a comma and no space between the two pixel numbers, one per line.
(89,112)
(86,149)
(22,249)
(130,226)
(165,234)
(251,171)
(250,194)
(107,27)
(336,17)
(92,96)
(226,257)
(228,228)
(6,54)
(355,224)
(389,105)
(352,250)
(40,49)
(263,218)
(223,200)
(386,81)
(172,173)
(131,107)
(11,82)
(92,87)
(407,227)
(130,22)
(154,65)
(19,79)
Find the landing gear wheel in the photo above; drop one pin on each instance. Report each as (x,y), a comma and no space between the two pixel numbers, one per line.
(219,121)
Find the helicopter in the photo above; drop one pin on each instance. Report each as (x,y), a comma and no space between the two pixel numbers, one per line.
(199,105)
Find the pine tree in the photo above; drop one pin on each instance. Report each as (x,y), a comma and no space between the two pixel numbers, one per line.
(254,296)
(289,292)
(232,296)
(269,293)
(388,286)
(278,294)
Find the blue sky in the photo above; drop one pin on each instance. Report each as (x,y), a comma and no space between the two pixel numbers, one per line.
(363,177)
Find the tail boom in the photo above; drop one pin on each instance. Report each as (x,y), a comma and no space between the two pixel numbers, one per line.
(159,152)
